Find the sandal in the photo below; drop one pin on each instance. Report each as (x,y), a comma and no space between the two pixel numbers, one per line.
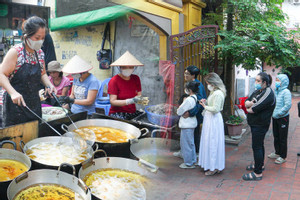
(251,167)
(211,173)
(253,177)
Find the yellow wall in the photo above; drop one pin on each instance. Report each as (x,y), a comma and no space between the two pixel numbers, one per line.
(87,41)
(82,41)
(192,11)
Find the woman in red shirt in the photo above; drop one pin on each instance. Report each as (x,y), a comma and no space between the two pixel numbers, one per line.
(124,88)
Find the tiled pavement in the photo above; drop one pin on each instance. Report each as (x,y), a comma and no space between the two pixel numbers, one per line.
(279,181)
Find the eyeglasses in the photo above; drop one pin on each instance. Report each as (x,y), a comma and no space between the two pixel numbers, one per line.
(187,74)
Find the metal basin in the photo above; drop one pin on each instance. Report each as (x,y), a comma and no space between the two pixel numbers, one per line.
(54,139)
(48,176)
(120,164)
(157,151)
(11,155)
(112,149)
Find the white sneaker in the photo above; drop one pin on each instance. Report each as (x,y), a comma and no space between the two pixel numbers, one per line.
(177,154)
(273,155)
(184,166)
(280,160)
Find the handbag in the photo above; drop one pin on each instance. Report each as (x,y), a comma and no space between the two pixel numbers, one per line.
(104,56)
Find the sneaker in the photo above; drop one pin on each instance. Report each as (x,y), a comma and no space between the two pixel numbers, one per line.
(184,166)
(177,154)
(280,160)
(273,155)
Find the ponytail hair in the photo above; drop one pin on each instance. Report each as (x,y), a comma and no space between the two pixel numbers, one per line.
(266,78)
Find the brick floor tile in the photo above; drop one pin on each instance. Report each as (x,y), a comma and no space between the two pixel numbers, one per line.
(199,195)
(295,196)
(279,196)
(282,187)
(237,197)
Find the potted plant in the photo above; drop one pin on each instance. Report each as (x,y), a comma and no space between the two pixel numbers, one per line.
(234,125)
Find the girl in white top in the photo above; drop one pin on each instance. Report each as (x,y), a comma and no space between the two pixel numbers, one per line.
(212,142)
(187,126)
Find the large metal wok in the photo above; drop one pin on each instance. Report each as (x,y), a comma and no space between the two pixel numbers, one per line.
(54,139)
(130,165)
(48,176)
(11,155)
(112,149)
(157,151)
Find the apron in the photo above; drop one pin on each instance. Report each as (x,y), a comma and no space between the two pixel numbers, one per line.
(26,81)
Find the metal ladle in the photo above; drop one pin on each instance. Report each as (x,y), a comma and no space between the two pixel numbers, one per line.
(57,100)
(79,143)
(92,135)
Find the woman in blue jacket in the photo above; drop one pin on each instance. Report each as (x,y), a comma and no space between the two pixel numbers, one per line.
(280,118)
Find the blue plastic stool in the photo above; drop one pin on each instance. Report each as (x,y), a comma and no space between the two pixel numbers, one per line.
(106,107)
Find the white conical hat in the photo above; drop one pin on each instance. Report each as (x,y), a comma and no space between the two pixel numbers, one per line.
(76,65)
(127,59)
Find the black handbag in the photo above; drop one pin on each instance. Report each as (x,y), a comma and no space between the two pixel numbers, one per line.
(104,56)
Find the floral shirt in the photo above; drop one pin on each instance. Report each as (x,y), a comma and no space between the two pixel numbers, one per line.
(30,58)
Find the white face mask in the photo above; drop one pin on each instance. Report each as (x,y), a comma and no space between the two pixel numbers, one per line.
(210,87)
(76,76)
(127,72)
(186,91)
(35,45)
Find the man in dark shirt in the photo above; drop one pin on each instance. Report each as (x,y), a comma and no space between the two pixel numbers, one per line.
(48,49)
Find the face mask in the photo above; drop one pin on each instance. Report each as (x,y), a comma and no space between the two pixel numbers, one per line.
(127,72)
(186,91)
(210,87)
(35,45)
(277,84)
(76,76)
(257,86)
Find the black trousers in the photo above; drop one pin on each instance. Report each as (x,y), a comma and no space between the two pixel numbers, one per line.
(197,135)
(258,137)
(280,133)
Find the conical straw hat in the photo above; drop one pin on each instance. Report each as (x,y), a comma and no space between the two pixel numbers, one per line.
(76,65)
(127,59)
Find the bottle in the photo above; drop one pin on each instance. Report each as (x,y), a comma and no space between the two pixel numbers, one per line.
(294,87)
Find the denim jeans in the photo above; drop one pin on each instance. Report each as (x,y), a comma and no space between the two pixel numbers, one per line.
(187,146)
(258,136)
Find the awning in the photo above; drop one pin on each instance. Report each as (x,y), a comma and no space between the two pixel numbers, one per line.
(89,18)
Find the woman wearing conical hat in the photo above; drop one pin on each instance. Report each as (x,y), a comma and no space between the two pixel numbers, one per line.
(124,88)
(85,86)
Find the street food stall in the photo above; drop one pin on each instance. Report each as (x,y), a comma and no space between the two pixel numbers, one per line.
(117,157)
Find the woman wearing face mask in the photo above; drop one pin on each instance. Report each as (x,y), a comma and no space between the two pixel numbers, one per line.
(260,106)
(280,118)
(124,89)
(187,126)
(21,72)
(212,143)
(85,86)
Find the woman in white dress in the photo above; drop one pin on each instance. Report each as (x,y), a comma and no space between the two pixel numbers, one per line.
(212,143)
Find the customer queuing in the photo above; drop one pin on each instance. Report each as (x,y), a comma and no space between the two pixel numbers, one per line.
(187,126)
(212,143)
(260,106)
(191,74)
(281,118)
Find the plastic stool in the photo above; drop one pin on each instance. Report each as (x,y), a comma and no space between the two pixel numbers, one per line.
(106,107)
